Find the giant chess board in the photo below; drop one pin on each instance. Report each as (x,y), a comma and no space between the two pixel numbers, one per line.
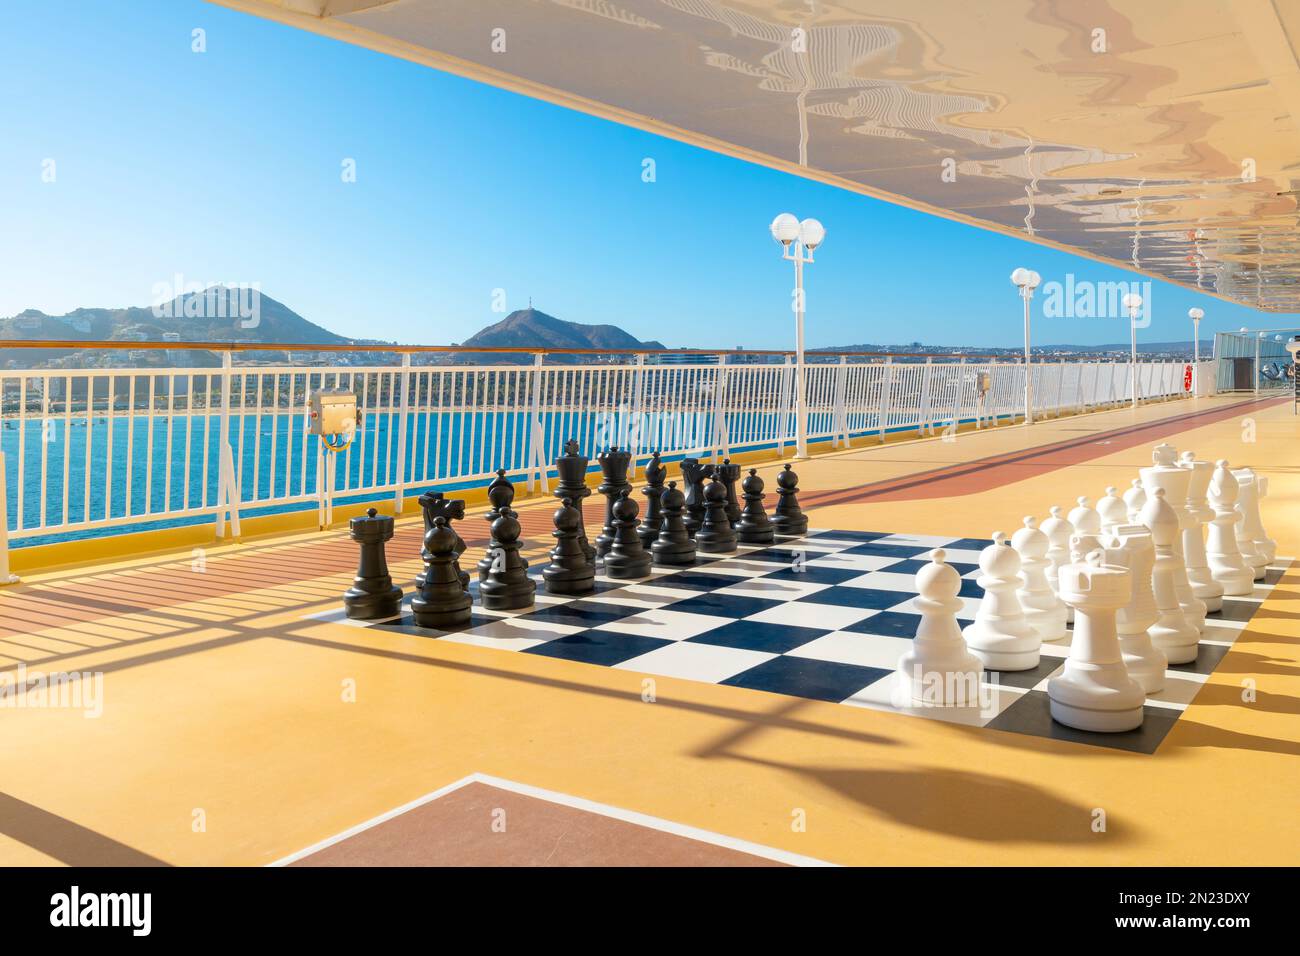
(824,617)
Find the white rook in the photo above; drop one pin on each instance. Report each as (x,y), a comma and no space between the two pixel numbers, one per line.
(1095,691)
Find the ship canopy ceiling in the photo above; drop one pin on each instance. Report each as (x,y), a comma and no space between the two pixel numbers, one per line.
(1160,135)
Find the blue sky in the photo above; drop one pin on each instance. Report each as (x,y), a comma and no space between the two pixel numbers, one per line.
(225,166)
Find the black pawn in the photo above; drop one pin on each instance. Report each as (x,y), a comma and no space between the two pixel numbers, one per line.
(655,473)
(715,535)
(626,557)
(572,470)
(435,505)
(507,585)
(501,495)
(755,526)
(613,467)
(674,546)
(569,572)
(693,477)
(729,474)
(373,594)
(787,517)
(442,602)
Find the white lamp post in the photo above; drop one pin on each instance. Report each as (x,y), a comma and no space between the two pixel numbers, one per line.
(1026,280)
(1196,315)
(1133,302)
(798,240)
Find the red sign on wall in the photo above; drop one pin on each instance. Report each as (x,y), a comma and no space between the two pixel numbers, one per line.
(1187,378)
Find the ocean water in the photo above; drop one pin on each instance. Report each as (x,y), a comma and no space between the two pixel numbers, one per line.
(92,477)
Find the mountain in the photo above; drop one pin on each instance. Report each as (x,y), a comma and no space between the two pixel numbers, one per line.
(1114,350)
(215,314)
(529,328)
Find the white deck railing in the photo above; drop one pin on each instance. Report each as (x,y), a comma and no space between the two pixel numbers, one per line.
(91,449)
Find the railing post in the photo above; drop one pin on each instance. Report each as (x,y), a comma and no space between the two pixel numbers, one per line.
(783,406)
(399,493)
(959,393)
(536,457)
(886,390)
(5,576)
(926,424)
(1060,389)
(720,443)
(634,426)
(839,419)
(227,483)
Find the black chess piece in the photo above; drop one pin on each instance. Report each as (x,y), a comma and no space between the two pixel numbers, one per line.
(435,505)
(755,526)
(655,473)
(569,571)
(715,535)
(694,475)
(613,467)
(442,601)
(373,594)
(674,546)
(501,495)
(787,517)
(572,469)
(729,474)
(626,557)
(507,585)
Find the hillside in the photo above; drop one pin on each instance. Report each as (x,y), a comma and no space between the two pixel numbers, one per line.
(529,328)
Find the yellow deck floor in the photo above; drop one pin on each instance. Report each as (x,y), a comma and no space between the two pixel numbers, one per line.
(231,710)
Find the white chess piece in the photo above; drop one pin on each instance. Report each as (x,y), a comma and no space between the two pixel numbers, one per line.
(1112,509)
(1131,547)
(1044,611)
(938,670)
(1198,570)
(1095,691)
(1058,531)
(1164,454)
(1249,530)
(1267,546)
(1175,481)
(1084,517)
(1173,633)
(1221,549)
(1134,499)
(1000,636)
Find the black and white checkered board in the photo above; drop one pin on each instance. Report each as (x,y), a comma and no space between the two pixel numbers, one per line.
(824,617)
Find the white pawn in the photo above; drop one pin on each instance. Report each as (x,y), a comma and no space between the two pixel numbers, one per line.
(1044,611)
(1131,547)
(1134,499)
(1166,475)
(1059,532)
(1221,549)
(1000,636)
(1198,509)
(938,670)
(1085,518)
(1112,510)
(1173,633)
(1095,692)
(1250,528)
